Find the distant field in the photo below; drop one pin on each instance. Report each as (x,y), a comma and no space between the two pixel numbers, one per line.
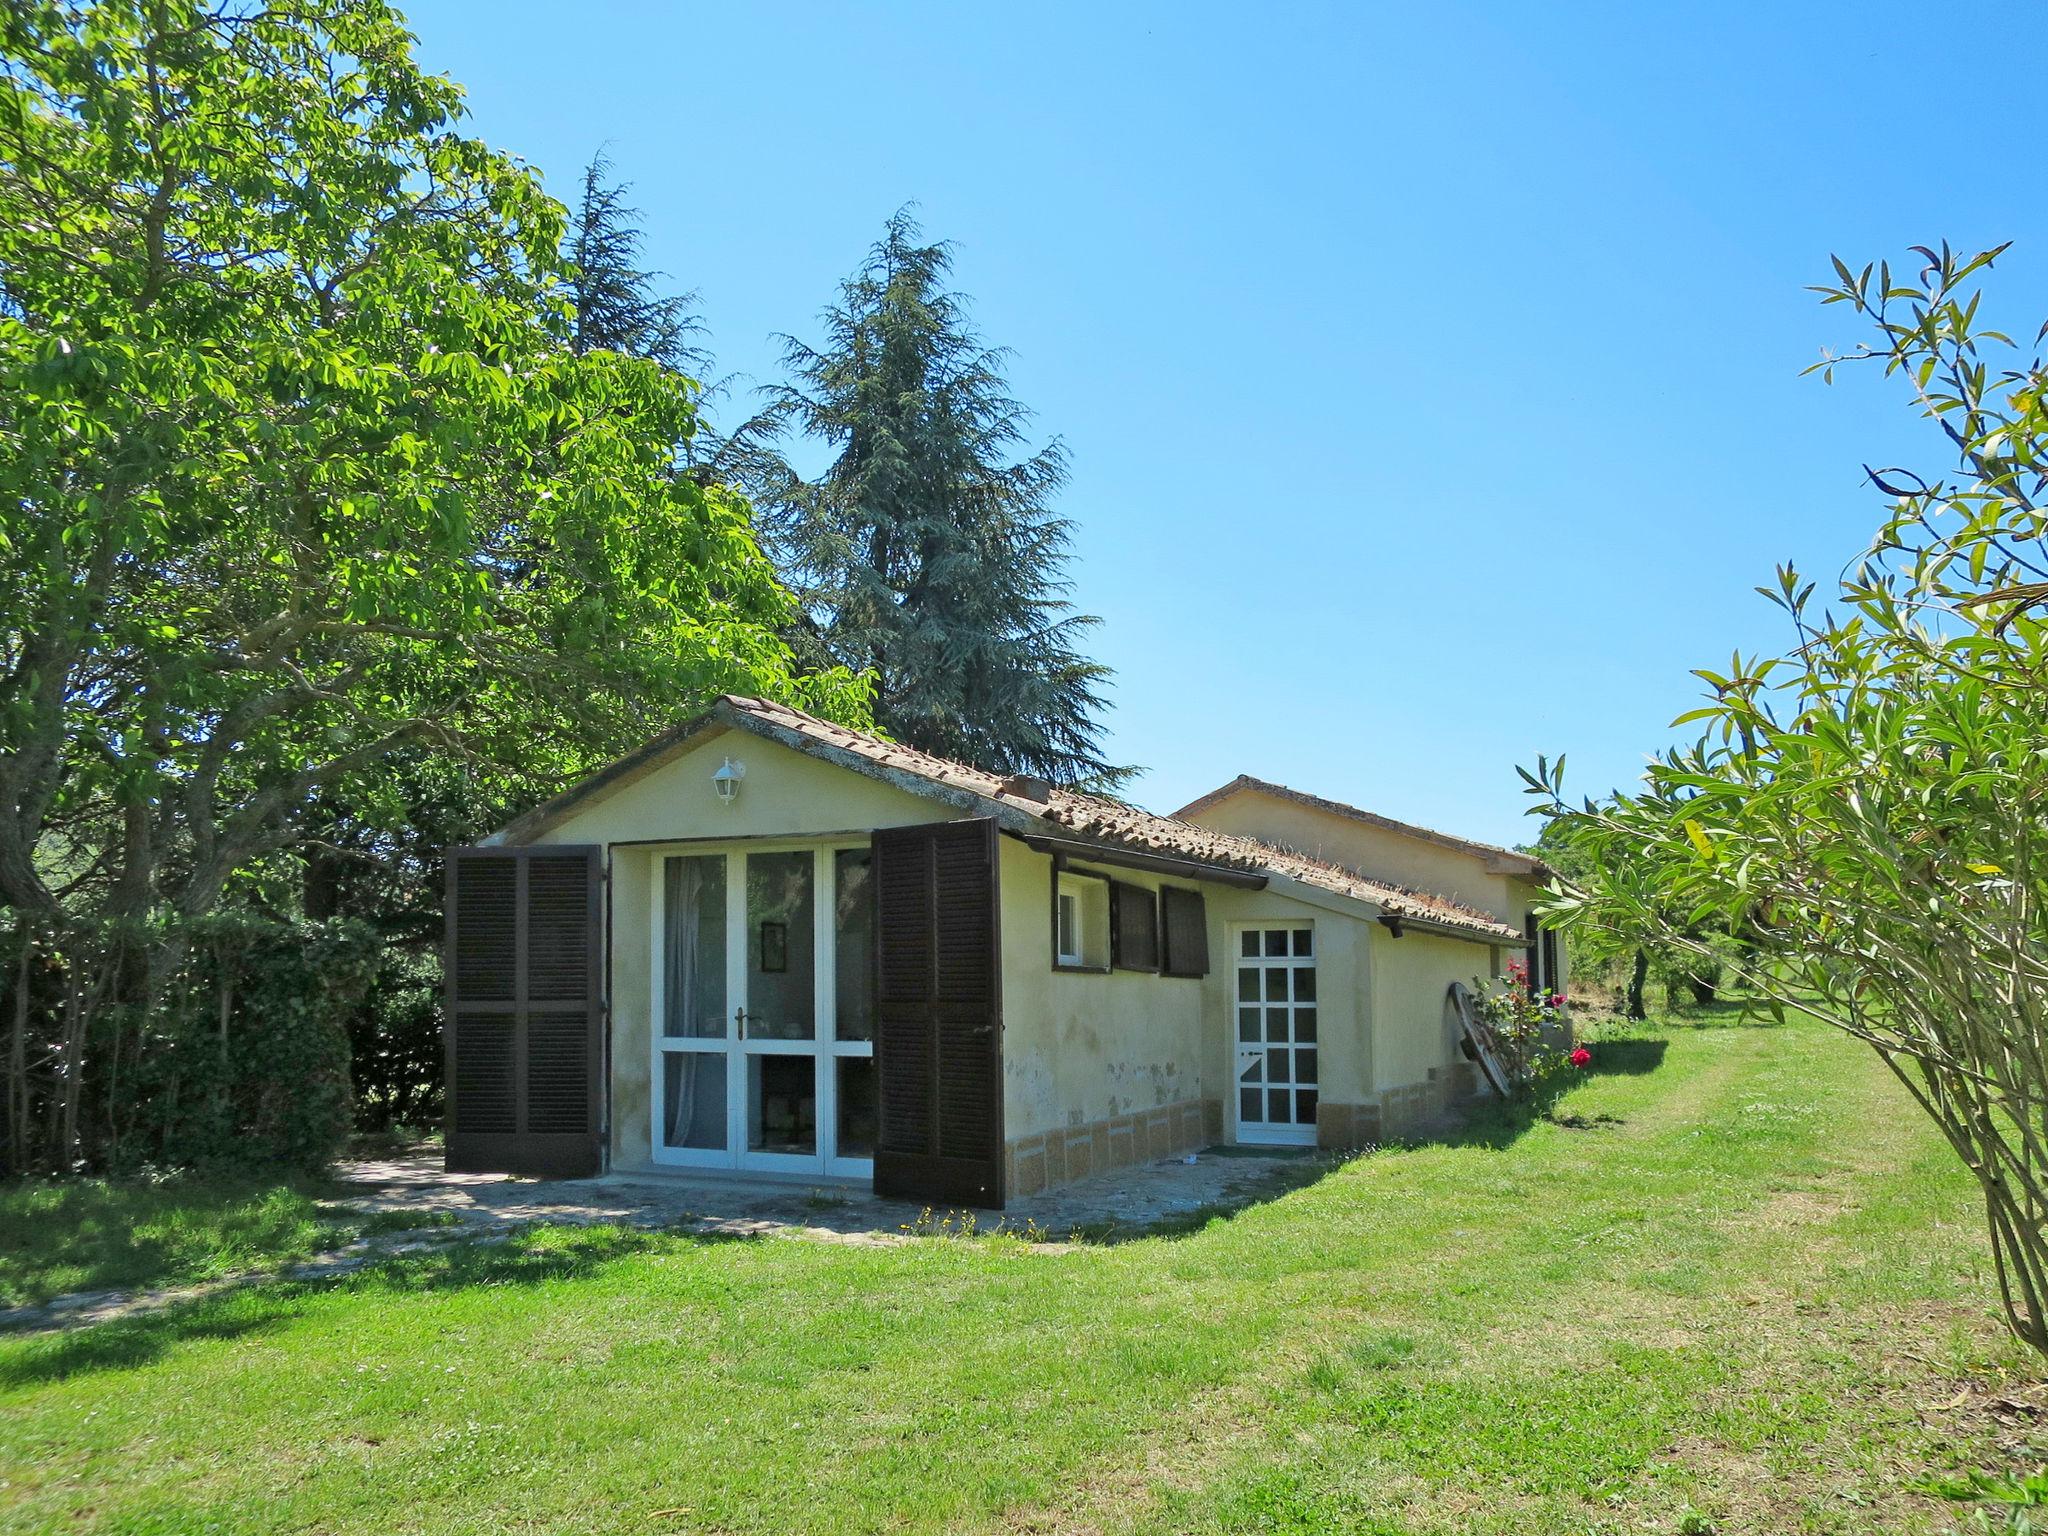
(1734,1284)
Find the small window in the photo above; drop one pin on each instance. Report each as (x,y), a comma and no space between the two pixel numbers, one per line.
(1080,923)
(1070,929)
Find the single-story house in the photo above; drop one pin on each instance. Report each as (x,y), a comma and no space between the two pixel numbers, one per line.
(768,943)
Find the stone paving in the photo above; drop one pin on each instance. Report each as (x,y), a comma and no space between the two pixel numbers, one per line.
(489,1207)
(1124,1202)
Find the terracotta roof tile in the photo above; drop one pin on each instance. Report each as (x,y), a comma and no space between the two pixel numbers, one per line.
(1118,825)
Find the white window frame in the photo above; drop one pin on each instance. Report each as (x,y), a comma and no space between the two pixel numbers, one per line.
(823,1044)
(1263,1132)
(1068,945)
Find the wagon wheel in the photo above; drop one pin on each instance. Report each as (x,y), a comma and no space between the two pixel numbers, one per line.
(1479,1043)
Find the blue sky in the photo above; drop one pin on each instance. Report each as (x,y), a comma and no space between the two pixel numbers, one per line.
(1430,373)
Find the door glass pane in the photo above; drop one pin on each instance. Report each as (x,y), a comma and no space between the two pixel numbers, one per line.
(782,1104)
(1276,941)
(1248,985)
(1305,1106)
(1248,945)
(1276,984)
(858,1107)
(1302,939)
(1276,1023)
(1305,984)
(693,1099)
(1248,1025)
(1304,1066)
(1304,1023)
(781,947)
(853,947)
(1276,1067)
(1277,1103)
(1249,1105)
(693,948)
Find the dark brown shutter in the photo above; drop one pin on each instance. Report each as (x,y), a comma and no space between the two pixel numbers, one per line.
(938,1014)
(1133,927)
(524,1027)
(1549,960)
(1184,932)
(1532,957)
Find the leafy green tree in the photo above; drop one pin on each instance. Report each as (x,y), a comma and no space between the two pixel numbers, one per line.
(300,472)
(1866,815)
(924,553)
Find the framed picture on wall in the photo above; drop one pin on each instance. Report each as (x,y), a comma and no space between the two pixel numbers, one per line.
(774,946)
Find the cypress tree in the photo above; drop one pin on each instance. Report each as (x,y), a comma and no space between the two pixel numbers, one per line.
(925,552)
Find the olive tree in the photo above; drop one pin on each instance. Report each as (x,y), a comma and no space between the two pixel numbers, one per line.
(1866,815)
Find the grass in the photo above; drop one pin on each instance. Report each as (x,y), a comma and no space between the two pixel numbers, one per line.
(1746,1301)
(60,1236)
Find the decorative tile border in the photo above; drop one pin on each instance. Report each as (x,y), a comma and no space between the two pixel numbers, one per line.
(1396,1111)
(1034,1164)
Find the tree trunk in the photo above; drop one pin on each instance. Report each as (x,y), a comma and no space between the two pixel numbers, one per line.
(1638,974)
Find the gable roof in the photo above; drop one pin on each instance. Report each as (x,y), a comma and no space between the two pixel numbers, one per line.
(1500,860)
(1025,806)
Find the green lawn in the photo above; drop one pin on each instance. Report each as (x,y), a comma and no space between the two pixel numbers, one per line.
(1742,1284)
(58,1236)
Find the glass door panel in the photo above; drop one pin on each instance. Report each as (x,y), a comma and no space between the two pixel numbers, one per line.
(693,947)
(763,1047)
(693,1112)
(781,998)
(853,945)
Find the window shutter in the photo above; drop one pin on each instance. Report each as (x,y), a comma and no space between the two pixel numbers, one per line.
(1184,925)
(1133,928)
(523,1029)
(938,1014)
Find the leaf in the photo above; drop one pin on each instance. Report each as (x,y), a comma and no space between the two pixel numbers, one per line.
(1698,837)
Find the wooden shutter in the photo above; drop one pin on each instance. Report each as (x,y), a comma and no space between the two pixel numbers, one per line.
(938,1014)
(1184,932)
(1550,976)
(1133,927)
(524,1027)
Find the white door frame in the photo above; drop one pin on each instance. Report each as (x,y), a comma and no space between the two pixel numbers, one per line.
(1245,1054)
(737,1049)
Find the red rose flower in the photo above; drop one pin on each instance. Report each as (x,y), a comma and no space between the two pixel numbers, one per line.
(1582,1058)
(1557,999)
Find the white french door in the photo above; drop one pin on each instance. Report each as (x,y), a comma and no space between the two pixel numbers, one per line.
(763,1037)
(1278,1074)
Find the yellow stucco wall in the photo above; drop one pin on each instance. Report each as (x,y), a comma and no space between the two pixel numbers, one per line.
(1079,1046)
(785,794)
(1380,853)
(1411,979)
(1376,851)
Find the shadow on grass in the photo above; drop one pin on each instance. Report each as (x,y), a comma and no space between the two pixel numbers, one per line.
(528,1258)
(1298,1172)
(1628,1057)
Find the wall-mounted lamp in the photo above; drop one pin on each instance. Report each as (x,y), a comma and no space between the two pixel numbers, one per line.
(727,780)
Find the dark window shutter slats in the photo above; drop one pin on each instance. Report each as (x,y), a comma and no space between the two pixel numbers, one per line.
(1184,932)
(938,1045)
(558,939)
(1133,927)
(524,1039)
(482,1089)
(485,929)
